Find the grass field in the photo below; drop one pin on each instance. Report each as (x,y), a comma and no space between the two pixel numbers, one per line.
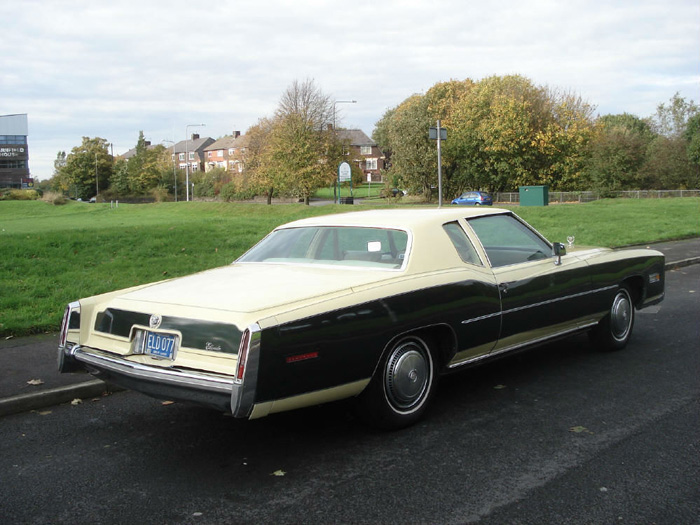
(363,191)
(55,254)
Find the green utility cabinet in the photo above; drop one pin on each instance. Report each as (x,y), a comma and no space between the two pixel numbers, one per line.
(534,195)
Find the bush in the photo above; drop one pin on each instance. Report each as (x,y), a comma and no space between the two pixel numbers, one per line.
(54,198)
(20,195)
(238,190)
(160,194)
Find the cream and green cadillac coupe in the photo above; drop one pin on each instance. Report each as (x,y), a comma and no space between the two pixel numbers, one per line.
(372,305)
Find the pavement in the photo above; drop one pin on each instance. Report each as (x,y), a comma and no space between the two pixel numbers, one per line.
(29,377)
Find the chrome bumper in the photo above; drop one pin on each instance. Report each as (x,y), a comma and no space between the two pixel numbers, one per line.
(207,389)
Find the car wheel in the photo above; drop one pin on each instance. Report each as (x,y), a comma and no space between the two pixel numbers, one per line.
(402,386)
(614,330)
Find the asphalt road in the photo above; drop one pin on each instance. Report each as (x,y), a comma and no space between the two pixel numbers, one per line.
(561,434)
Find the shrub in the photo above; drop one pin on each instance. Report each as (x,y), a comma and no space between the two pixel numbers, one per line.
(54,198)
(160,194)
(238,190)
(20,195)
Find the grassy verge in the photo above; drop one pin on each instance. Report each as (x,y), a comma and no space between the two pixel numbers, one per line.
(55,254)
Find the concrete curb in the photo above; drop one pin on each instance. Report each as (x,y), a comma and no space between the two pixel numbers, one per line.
(682,263)
(54,396)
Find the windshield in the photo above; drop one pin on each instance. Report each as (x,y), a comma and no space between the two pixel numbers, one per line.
(344,246)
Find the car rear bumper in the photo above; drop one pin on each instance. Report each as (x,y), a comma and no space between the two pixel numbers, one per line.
(211,390)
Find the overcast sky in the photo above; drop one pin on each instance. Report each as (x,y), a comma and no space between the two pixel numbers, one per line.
(110,69)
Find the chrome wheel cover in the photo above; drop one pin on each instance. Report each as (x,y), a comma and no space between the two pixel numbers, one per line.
(407,376)
(621,315)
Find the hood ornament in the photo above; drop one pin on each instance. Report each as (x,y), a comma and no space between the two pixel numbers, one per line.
(154,321)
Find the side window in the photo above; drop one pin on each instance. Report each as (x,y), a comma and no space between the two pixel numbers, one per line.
(461,242)
(508,241)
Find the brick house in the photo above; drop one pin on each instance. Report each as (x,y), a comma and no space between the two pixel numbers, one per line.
(194,150)
(227,153)
(364,153)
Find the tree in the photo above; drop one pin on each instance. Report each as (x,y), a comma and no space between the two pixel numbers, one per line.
(413,155)
(258,165)
(618,153)
(88,168)
(303,158)
(503,132)
(145,168)
(296,151)
(692,136)
(671,120)
(311,106)
(668,164)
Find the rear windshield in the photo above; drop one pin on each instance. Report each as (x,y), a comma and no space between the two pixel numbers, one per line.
(344,246)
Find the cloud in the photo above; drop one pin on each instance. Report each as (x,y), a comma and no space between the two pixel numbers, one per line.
(80,68)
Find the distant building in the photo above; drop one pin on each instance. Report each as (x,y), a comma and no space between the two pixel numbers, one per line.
(227,153)
(191,151)
(129,154)
(364,153)
(14,153)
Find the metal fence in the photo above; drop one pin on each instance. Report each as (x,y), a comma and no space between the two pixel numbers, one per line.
(588,196)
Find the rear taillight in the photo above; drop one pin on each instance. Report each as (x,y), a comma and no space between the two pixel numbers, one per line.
(242,356)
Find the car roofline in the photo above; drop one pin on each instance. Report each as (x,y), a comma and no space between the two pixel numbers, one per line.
(403,219)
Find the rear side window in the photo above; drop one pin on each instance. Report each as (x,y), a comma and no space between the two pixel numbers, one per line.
(461,242)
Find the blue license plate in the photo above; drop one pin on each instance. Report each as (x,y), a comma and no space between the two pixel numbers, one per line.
(160,345)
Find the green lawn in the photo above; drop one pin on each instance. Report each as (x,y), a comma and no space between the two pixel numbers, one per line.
(55,254)
(363,191)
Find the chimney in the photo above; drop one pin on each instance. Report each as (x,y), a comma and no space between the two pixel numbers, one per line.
(236,134)
(195,136)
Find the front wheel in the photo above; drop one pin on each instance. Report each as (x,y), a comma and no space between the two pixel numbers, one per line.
(402,386)
(614,330)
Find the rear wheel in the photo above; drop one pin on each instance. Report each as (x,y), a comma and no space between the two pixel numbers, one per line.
(614,330)
(402,386)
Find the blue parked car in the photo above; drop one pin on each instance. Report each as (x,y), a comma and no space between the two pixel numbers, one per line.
(474,198)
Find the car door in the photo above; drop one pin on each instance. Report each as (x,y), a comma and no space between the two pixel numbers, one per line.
(541,297)
(478,325)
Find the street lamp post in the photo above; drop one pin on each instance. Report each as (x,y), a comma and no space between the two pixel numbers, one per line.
(97,180)
(187,157)
(341,102)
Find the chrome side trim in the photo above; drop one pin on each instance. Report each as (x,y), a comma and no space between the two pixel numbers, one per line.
(542,303)
(518,346)
(243,393)
(481,318)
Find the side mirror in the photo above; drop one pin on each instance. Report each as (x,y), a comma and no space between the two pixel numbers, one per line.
(558,249)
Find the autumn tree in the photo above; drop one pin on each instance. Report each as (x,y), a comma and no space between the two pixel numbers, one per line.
(258,166)
(503,132)
(87,168)
(296,151)
(404,132)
